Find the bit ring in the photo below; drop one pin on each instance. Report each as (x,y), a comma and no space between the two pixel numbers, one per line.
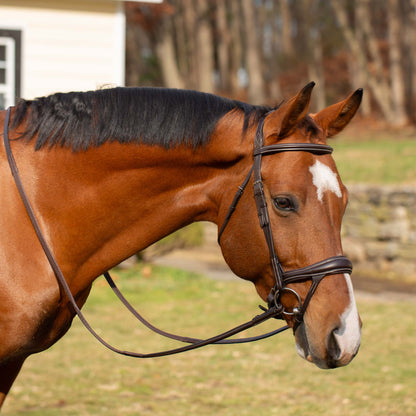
(297,309)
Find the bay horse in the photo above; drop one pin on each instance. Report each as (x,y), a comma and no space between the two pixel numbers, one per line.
(110,172)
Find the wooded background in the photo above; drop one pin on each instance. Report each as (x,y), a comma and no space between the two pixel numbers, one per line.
(260,51)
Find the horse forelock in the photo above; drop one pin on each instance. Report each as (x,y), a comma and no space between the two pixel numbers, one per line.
(153,116)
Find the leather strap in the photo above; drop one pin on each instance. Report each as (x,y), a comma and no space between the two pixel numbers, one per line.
(262,210)
(146,323)
(234,203)
(316,149)
(332,265)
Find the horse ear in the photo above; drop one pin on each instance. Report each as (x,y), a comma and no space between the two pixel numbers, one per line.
(283,121)
(335,117)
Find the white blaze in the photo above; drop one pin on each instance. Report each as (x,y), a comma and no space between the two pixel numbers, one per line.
(325,180)
(348,335)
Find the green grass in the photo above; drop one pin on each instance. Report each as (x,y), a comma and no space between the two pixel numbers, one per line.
(79,377)
(386,160)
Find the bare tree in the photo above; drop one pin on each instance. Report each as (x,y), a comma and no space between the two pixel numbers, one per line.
(286,18)
(358,76)
(363,52)
(385,84)
(204,47)
(165,52)
(280,44)
(256,94)
(398,98)
(236,53)
(314,52)
(270,38)
(190,17)
(408,30)
(223,45)
(146,27)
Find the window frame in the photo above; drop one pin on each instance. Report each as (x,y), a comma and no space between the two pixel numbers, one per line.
(12,39)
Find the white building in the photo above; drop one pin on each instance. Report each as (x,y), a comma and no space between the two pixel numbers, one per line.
(49,46)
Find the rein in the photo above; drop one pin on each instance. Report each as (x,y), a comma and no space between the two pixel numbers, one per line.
(195,343)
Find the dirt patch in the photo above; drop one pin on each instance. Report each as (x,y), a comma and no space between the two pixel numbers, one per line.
(383,287)
(209,262)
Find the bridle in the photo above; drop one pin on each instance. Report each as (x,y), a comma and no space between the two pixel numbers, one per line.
(316,272)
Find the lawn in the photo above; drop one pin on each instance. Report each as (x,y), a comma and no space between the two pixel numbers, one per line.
(378,159)
(79,377)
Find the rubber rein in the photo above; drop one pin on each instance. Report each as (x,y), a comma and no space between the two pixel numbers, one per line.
(315,272)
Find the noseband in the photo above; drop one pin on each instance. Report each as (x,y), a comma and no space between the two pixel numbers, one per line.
(315,272)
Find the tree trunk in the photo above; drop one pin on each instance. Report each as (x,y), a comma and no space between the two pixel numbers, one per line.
(314,53)
(358,76)
(132,56)
(376,81)
(223,45)
(412,47)
(274,91)
(204,48)
(396,71)
(316,71)
(287,40)
(165,52)
(236,52)
(179,23)
(190,30)
(256,93)
(409,32)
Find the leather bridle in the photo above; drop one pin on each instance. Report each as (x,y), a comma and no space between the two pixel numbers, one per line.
(316,272)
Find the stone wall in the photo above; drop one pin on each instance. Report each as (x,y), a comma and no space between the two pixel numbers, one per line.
(379,231)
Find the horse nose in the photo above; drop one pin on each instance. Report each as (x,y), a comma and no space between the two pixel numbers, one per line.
(340,352)
(333,349)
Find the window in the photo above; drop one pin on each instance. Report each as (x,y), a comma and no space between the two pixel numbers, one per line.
(10,56)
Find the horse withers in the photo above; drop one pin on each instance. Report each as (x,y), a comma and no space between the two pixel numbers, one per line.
(110,172)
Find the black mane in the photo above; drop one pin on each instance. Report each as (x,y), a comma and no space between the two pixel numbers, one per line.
(155,116)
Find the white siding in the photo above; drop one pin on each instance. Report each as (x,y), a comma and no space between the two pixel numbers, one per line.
(67,45)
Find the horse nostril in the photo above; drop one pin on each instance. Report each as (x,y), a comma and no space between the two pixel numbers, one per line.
(334,350)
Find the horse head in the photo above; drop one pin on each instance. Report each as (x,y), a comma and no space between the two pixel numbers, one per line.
(305,201)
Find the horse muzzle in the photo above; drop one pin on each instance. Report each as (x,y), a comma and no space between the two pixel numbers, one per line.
(335,346)
(331,357)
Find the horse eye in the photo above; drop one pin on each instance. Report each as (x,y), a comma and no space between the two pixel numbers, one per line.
(284,203)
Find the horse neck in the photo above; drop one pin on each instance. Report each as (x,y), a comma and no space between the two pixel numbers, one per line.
(103,205)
